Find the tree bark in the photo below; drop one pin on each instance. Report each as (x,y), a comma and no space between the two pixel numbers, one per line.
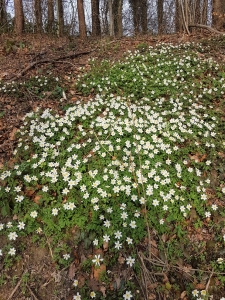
(136,19)
(19,17)
(96,26)
(50,16)
(38,15)
(204,12)
(81,18)
(178,17)
(144,16)
(218,14)
(160,16)
(111,18)
(117,17)
(3,16)
(60,17)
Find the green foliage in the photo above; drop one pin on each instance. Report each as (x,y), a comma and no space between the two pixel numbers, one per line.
(37,87)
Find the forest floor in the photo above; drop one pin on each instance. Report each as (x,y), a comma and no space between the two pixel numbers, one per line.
(46,56)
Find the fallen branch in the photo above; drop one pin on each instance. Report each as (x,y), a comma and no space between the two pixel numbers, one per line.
(47,60)
(206,27)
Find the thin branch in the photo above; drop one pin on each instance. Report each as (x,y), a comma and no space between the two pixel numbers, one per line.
(206,27)
(47,60)
(207,285)
(31,292)
(17,286)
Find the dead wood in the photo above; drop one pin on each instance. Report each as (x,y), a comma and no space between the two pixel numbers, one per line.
(206,27)
(47,60)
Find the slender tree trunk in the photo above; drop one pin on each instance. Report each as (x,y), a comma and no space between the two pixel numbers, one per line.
(3,17)
(81,18)
(120,18)
(205,12)
(50,16)
(19,17)
(178,17)
(218,14)
(96,26)
(144,16)
(38,15)
(198,19)
(135,12)
(111,18)
(117,17)
(160,16)
(104,16)
(60,17)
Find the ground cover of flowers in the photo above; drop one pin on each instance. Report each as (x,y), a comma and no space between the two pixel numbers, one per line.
(131,166)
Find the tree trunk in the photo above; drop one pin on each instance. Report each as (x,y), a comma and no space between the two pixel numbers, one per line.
(81,18)
(111,18)
(104,17)
(178,17)
(19,17)
(60,17)
(198,13)
(3,17)
(50,16)
(160,16)
(117,15)
(136,19)
(205,12)
(120,18)
(144,16)
(96,26)
(38,15)
(218,14)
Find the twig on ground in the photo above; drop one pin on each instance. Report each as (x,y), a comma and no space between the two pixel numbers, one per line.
(31,292)
(17,286)
(47,60)
(208,283)
(49,246)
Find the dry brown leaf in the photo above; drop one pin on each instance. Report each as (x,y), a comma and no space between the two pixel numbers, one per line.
(98,251)
(118,281)
(103,289)
(72,271)
(121,259)
(200,286)
(29,192)
(105,246)
(151,297)
(93,284)
(221,154)
(183,294)
(193,214)
(12,135)
(37,199)
(81,281)
(15,217)
(154,248)
(152,286)
(195,157)
(164,238)
(97,272)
